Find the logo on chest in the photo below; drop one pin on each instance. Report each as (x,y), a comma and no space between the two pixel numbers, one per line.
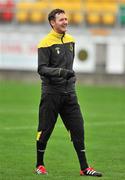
(71,47)
(57,50)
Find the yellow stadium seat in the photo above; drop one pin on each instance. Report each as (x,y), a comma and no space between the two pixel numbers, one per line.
(97,6)
(109,11)
(31,11)
(72,8)
(22,11)
(97,9)
(36,17)
(23,6)
(38,12)
(60,5)
(22,16)
(93,6)
(110,7)
(75,6)
(77,18)
(93,18)
(66,5)
(108,19)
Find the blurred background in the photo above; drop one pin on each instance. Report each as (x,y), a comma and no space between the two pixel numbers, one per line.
(97,25)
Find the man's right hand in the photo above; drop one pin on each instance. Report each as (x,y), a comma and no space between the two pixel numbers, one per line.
(67,74)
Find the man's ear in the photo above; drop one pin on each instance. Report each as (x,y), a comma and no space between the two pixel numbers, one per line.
(52,22)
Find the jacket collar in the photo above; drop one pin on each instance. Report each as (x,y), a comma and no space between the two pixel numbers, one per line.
(54,33)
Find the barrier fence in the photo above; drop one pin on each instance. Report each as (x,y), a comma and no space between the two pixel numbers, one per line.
(93,54)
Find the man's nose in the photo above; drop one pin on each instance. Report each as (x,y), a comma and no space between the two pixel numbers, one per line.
(66,22)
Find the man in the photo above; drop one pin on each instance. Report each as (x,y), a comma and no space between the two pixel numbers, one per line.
(55,62)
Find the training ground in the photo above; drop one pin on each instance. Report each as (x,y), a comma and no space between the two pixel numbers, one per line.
(103,109)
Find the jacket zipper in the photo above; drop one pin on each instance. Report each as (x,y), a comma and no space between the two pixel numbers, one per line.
(66,80)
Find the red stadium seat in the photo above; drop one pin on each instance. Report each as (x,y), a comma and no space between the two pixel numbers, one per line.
(8,11)
(1,10)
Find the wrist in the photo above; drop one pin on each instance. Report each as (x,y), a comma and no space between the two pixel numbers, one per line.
(60,69)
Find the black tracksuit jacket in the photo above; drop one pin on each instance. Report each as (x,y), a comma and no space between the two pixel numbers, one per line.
(56,51)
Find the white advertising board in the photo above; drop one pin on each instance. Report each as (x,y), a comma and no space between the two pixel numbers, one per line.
(115,58)
(87,65)
(19,51)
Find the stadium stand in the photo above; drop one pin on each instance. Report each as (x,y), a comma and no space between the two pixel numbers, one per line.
(73,9)
(33,12)
(89,12)
(99,13)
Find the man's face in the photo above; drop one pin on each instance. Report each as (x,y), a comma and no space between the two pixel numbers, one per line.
(60,23)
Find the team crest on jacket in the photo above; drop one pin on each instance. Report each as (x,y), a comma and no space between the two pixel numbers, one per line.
(57,50)
(71,47)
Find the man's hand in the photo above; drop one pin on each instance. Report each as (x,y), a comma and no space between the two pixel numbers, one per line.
(66,74)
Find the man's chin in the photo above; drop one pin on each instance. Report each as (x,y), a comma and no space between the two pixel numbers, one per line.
(64,30)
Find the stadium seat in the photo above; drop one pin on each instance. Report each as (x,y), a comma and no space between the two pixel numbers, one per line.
(77,15)
(122,14)
(1,10)
(39,12)
(93,18)
(103,12)
(22,16)
(73,9)
(93,6)
(36,17)
(109,12)
(93,10)
(77,18)
(108,19)
(111,7)
(22,11)
(7,16)
(8,11)
(122,20)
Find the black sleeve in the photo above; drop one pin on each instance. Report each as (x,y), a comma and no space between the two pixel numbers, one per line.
(73,50)
(43,63)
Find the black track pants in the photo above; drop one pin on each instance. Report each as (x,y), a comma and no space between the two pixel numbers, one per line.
(67,106)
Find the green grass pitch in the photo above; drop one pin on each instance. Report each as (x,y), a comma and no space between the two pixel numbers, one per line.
(104,114)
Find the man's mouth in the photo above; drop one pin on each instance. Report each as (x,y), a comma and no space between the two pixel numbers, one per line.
(64,26)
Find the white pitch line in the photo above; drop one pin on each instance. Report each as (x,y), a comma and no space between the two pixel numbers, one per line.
(101,123)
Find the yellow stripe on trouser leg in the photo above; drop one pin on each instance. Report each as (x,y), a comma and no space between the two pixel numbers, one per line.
(38,135)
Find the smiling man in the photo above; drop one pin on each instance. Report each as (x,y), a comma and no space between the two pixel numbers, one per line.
(55,67)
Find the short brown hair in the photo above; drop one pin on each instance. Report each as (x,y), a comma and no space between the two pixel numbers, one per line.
(52,14)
